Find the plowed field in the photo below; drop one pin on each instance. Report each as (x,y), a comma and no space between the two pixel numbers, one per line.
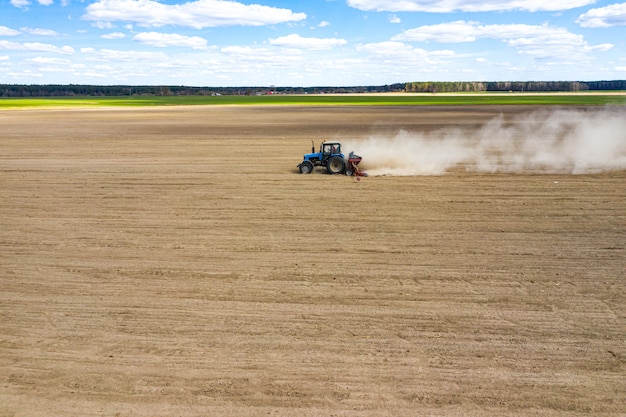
(173,262)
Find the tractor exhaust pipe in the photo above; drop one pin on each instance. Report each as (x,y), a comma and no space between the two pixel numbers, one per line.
(312,146)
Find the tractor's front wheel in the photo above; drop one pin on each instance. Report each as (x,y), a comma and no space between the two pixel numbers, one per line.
(306,167)
(336,165)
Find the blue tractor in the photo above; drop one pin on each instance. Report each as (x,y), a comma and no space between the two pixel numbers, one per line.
(329,157)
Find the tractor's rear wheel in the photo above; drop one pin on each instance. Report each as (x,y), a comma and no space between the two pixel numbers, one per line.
(306,167)
(336,165)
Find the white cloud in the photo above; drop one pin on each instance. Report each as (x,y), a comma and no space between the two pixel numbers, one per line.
(114,35)
(447,6)
(296,41)
(401,61)
(103,25)
(93,74)
(604,17)
(568,47)
(49,64)
(197,14)
(26,74)
(5,31)
(170,39)
(4,58)
(50,61)
(244,50)
(39,32)
(251,54)
(394,19)
(537,41)
(20,3)
(403,54)
(23,4)
(602,47)
(35,46)
(323,24)
(124,56)
(462,31)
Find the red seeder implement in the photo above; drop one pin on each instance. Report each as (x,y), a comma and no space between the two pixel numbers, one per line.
(354,161)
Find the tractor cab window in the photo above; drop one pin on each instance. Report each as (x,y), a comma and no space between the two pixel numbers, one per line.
(331,148)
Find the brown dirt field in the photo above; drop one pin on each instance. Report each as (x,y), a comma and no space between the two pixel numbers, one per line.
(172,262)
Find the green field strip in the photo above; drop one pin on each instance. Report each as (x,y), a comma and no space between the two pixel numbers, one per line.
(585,99)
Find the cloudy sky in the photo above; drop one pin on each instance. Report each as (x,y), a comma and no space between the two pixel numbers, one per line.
(309,42)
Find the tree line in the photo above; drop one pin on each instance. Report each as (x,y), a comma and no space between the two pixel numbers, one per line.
(50,90)
(54,90)
(514,86)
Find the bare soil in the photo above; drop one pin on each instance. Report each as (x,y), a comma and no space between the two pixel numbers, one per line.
(172,262)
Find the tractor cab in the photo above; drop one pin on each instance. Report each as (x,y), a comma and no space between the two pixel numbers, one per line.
(327,149)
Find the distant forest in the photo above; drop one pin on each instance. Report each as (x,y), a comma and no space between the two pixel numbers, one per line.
(516,86)
(171,90)
(51,90)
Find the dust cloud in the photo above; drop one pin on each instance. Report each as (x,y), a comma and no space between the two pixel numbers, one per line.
(560,141)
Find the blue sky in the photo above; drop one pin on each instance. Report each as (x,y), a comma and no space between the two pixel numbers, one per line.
(309,42)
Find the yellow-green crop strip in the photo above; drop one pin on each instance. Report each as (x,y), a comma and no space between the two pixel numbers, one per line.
(581,99)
